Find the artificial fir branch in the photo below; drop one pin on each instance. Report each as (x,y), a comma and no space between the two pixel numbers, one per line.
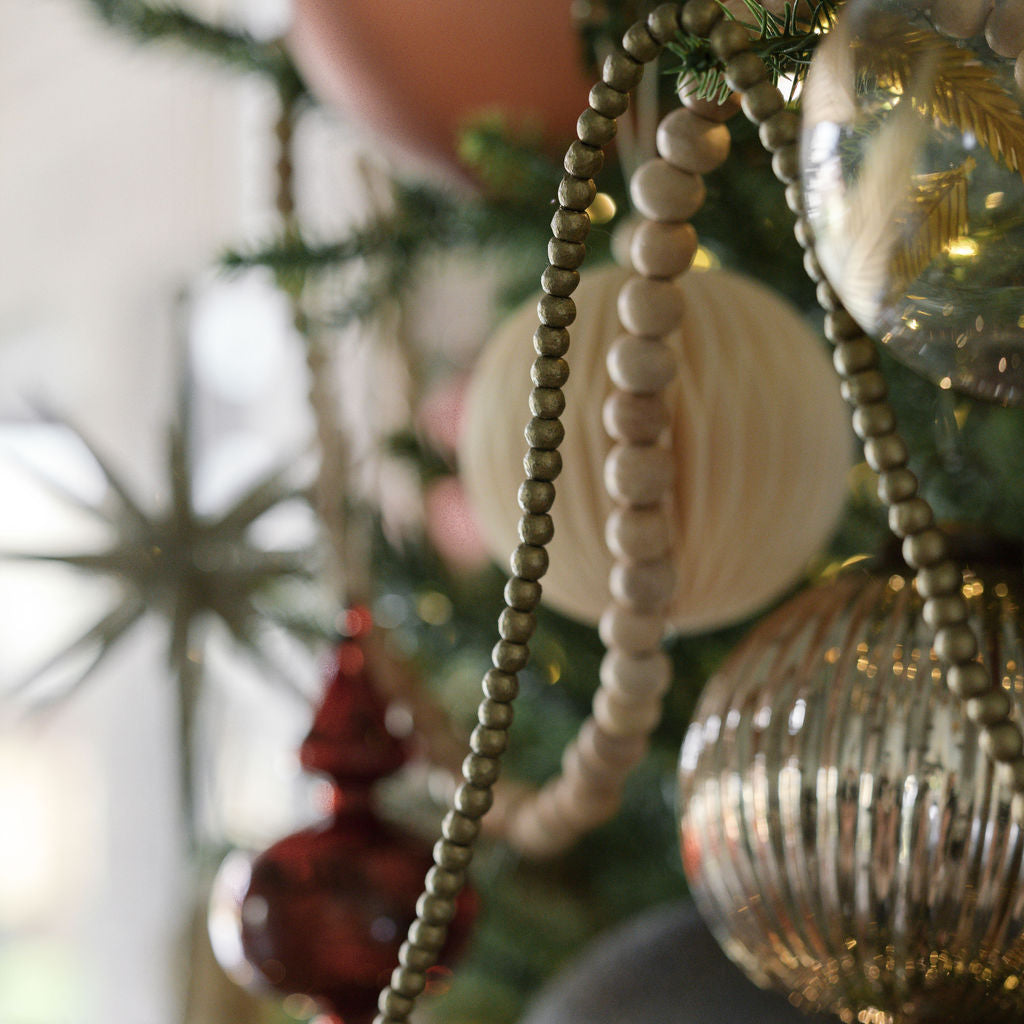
(158,22)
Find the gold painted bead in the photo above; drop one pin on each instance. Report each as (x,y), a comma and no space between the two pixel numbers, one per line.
(501,686)
(481,771)
(692,143)
(595,129)
(1002,741)
(621,72)
(559,282)
(549,372)
(437,910)
(582,161)
(474,801)
(629,630)
(956,644)
(699,17)
(795,197)
(413,957)
(938,580)
(663,192)
(391,1004)
(947,610)
(662,250)
(550,343)
(989,709)
(886,453)
(516,627)
(542,464)
(544,434)
(812,267)
(530,562)
(570,225)
(568,255)
(576,193)
(779,130)
(650,307)
(762,101)
(729,38)
(926,548)
(536,495)
(509,657)
(1013,776)
(452,856)
(556,311)
(522,595)
(637,474)
(744,71)
(875,420)
(632,418)
(786,163)
(432,936)
(607,101)
(897,485)
(547,403)
(489,742)
(640,44)
(642,365)
(642,586)
(408,982)
(968,680)
(909,517)
(663,22)
(536,529)
(865,388)
(639,534)
(855,356)
(840,326)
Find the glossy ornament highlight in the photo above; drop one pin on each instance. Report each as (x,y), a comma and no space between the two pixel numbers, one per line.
(842,830)
(912,154)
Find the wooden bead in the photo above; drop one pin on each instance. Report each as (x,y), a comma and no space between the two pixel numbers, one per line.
(639,534)
(643,365)
(643,586)
(632,418)
(662,250)
(650,307)
(663,22)
(729,38)
(786,165)
(762,102)
(636,676)
(640,44)
(637,474)
(692,143)
(621,72)
(1004,28)
(960,18)
(744,71)
(781,129)
(608,101)
(710,110)
(620,718)
(630,630)
(663,192)
(855,356)
(597,744)
(700,16)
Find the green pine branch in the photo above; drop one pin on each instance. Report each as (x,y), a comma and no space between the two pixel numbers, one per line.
(163,22)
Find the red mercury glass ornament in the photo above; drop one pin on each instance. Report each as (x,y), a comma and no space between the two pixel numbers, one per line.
(326,909)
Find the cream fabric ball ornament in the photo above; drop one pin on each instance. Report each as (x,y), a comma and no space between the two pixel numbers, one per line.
(759,440)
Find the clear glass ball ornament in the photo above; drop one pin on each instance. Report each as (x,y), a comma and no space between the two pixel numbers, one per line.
(912,161)
(843,833)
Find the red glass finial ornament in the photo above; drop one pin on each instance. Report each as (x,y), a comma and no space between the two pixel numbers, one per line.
(326,909)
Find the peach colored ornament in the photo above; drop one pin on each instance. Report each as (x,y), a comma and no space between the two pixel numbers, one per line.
(414,72)
(761,449)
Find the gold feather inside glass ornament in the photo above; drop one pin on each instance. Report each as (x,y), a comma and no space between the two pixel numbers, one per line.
(913,169)
(842,830)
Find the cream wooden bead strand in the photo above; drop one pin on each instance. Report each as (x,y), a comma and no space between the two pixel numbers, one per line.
(635,672)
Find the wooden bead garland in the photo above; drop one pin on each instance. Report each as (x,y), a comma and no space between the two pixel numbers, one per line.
(626,705)
(635,673)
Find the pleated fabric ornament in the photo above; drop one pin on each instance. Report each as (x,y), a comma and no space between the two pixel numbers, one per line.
(843,832)
(760,440)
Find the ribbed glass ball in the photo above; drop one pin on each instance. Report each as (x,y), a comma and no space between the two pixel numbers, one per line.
(842,831)
(912,150)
